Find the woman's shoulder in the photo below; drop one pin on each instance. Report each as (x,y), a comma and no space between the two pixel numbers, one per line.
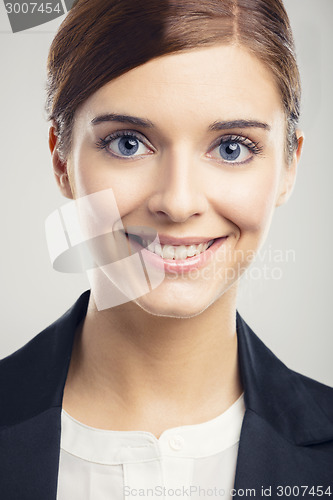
(321,393)
(31,378)
(298,407)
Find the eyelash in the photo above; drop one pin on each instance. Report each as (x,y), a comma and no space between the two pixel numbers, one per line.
(255,148)
(103,143)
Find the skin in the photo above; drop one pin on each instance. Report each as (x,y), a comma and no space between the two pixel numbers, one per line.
(169,357)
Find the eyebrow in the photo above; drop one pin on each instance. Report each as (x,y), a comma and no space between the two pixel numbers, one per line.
(114,117)
(141,122)
(222,125)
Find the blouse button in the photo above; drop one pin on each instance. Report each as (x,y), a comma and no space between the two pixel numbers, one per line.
(176,442)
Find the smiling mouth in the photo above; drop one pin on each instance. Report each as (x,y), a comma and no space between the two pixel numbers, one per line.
(172,252)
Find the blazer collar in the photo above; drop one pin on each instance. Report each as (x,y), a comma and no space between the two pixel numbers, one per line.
(280,412)
(30,417)
(272,391)
(36,373)
(277,394)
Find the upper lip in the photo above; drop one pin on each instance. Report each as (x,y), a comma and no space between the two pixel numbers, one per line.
(165,239)
(188,240)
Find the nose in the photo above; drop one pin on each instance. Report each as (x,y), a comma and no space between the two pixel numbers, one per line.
(179,192)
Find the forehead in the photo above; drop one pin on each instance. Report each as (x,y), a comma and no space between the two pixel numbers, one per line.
(196,86)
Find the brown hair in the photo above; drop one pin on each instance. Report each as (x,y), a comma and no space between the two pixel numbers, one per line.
(100,40)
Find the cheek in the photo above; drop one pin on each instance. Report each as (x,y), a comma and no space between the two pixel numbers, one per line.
(130,186)
(247,198)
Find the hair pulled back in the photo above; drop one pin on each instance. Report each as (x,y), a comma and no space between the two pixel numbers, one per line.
(100,40)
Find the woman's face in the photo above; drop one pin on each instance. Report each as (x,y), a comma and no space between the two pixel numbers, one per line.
(192,145)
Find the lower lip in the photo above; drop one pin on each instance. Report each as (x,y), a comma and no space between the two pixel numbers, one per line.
(179,266)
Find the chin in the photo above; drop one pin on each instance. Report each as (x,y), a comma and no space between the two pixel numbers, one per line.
(170,310)
(173,305)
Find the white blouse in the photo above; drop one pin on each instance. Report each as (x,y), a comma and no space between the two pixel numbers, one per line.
(190,461)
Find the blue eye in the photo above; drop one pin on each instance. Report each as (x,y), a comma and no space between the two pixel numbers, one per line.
(124,144)
(233,152)
(230,151)
(128,146)
(235,149)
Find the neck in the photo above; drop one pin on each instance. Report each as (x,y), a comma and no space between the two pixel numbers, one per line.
(126,358)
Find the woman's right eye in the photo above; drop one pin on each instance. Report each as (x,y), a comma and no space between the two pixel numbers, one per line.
(124,145)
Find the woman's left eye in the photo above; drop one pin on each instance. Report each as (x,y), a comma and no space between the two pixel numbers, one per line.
(124,145)
(234,150)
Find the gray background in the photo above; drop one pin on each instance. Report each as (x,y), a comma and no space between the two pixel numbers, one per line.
(291,314)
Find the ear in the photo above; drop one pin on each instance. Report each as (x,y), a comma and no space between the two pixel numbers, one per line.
(289,174)
(59,166)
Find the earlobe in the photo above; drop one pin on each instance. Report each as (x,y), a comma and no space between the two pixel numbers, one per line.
(289,177)
(59,166)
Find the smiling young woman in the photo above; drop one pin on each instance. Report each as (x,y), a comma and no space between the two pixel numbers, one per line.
(187,112)
(197,168)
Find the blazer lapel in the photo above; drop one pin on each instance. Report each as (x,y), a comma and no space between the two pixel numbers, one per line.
(267,461)
(30,417)
(281,421)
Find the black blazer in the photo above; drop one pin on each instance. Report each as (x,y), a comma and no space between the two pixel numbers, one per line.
(286,438)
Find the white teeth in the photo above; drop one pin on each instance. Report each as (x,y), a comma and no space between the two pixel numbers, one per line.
(179,252)
(199,249)
(158,249)
(191,250)
(168,252)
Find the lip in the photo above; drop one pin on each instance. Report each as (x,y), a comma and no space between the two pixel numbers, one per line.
(165,239)
(184,265)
